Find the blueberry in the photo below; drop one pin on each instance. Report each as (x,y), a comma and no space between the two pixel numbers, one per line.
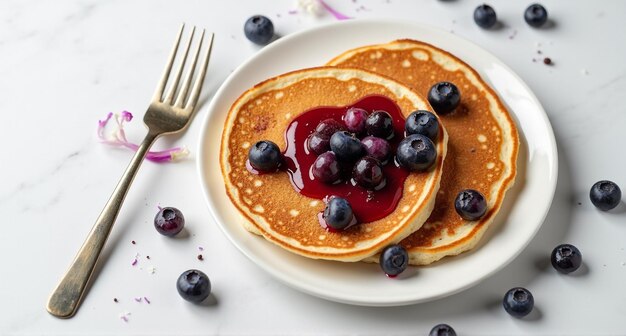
(259,29)
(169,221)
(326,168)
(416,152)
(368,173)
(444,97)
(328,127)
(422,122)
(377,148)
(346,146)
(518,302)
(442,330)
(485,16)
(338,213)
(193,286)
(566,258)
(470,204)
(536,15)
(265,156)
(379,124)
(605,195)
(393,260)
(317,143)
(355,119)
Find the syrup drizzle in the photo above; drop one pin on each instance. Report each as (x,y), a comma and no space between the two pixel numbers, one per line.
(367,206)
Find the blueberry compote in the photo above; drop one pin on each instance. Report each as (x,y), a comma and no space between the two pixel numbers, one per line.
(368,205)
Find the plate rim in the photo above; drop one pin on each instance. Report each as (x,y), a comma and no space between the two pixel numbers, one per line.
(339,297)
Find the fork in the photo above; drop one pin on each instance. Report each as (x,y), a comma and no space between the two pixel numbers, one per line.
(165,115)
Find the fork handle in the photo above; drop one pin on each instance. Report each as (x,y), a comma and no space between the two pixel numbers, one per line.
(65,299)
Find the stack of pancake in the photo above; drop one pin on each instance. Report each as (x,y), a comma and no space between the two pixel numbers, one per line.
(477,149)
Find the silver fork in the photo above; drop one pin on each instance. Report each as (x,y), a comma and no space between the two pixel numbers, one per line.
(166,114)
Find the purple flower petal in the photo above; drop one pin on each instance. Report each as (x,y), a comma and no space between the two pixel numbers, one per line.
(102,123)
(332,11)
(127,115)
(125,316)
(118,139)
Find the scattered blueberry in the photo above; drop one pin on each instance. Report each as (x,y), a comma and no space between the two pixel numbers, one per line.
(442,330)
(485,16)
(346,146)
(377,148)
(379,124)
(518,302)
(338,213)
(265,156)
(328,127)
(318,143)
(605,195)
(416,152)
(470,204)
(326,168)
(536,15)
(368,173)
(566,258)
(444,97)
(169,221)
(393,260)
(193,286)
(355,120)
(422,122)
(259,29)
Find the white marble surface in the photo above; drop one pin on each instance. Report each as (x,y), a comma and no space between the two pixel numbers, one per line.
(64,65)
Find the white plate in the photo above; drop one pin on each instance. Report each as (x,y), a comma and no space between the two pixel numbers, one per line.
(365,284)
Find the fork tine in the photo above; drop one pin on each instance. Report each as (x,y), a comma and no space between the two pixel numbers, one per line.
(197,86)
(182,95)
(172,91)
(158,94)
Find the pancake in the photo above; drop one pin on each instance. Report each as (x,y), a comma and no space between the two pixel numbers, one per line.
(482,148)
(270,204)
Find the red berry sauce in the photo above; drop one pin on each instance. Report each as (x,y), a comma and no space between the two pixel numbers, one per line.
(367,205)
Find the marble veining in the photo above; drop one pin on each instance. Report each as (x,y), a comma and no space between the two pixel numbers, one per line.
(25,186)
